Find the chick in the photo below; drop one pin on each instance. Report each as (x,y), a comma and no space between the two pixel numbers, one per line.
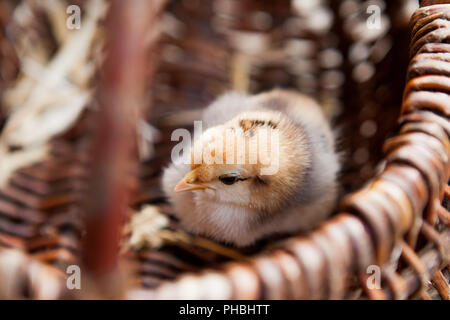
(240,202)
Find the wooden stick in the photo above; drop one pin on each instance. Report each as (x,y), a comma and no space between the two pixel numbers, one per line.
(120,97)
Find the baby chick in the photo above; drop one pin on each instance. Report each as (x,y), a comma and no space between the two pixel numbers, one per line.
(236,201)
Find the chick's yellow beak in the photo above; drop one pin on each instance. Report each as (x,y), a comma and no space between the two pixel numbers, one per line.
(189,183)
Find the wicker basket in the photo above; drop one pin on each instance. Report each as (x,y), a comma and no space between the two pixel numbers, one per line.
(393,213)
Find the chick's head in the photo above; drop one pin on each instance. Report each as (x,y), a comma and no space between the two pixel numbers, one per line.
(256,160)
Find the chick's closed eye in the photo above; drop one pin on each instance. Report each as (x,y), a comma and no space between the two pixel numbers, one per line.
(230,179)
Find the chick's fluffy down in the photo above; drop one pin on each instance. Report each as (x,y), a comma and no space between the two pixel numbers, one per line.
(300,195)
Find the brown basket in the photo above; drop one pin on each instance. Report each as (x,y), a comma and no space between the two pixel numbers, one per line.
(397,219)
